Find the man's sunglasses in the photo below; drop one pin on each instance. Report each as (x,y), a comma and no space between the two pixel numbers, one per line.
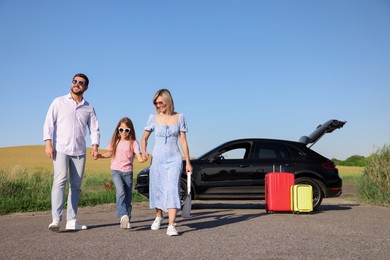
(80,83)
(127,130)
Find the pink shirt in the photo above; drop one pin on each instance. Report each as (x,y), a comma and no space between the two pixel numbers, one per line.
(123,160)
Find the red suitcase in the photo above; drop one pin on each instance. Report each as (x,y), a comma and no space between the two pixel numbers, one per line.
(278,191)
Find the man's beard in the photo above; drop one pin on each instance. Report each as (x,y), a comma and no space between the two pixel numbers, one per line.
(80,93)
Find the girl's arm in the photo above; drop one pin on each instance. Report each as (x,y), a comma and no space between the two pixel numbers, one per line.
(140,158)
(184,147)
(107,154)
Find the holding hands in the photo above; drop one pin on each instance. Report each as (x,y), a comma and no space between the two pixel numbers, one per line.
(145,156)
(95,151)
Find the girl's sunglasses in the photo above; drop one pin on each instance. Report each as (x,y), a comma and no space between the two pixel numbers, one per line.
(127,130)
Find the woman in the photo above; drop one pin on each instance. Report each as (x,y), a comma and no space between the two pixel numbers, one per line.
(166,167)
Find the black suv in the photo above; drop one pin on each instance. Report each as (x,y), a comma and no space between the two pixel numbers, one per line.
(236,169)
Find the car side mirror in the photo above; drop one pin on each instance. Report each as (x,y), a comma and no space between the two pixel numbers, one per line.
(217,158)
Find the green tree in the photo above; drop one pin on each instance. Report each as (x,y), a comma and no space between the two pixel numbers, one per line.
(354,160)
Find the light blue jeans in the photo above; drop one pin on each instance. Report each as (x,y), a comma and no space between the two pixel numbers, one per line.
(64,165)
(123,182)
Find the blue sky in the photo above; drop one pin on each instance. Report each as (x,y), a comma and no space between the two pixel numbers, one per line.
(236,69)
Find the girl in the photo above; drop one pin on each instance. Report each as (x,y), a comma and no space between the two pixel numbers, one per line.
(122,148)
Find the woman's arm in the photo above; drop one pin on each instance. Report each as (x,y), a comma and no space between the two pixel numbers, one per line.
(184,147)
(144,145)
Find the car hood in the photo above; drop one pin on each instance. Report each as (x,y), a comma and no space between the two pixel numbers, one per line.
(327,127)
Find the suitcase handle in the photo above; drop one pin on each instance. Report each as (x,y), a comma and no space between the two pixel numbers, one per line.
(273,168)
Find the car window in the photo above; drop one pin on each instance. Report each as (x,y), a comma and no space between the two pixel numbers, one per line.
(271,151)
(295,152)
(267,153)
(237,151)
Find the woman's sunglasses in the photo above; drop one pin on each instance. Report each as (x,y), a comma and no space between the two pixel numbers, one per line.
(127,130)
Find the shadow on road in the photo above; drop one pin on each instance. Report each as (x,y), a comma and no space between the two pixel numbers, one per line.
(261,206)
(102,225)
(323,208)
(208,220)
(227,205)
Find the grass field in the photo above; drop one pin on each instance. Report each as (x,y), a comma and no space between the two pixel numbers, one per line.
(34,158)
(26,177)
(350,173)
(31,160)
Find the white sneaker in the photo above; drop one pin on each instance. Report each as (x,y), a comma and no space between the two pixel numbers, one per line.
(171,231)
(55,225)
(156,223)
(125,223)
(74,225)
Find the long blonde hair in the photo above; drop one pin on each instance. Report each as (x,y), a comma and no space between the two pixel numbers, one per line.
(116,135)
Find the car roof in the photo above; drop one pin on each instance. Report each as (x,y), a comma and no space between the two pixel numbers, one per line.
(258,140)
(251,140)
(327,127)
(322,129)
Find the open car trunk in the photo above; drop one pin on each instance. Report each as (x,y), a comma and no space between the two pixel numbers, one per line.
(327,127)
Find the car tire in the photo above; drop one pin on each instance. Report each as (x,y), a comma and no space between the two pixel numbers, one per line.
(318,195)
(183,191)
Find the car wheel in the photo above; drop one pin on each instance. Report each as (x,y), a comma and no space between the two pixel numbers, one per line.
(318,195)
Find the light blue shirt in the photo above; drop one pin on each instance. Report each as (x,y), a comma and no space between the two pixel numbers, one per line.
(66,124)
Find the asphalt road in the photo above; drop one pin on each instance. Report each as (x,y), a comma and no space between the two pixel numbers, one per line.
(341,229)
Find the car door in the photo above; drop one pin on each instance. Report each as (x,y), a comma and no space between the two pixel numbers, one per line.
(269,156)
(228,171)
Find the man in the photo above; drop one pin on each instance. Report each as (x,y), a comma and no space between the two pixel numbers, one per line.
(64,131)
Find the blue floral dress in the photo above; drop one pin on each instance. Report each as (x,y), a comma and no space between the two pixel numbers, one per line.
(167,164)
